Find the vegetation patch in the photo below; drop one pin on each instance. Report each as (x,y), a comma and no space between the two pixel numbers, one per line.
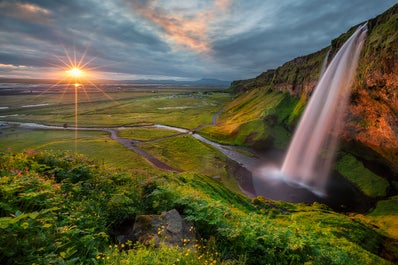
(60,209)
(385,215)
(144,134)
(368,182)
(189,154)
(95,144)
(256,116)
(188,109)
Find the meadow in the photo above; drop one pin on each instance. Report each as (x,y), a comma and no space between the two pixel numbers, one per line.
(188,108)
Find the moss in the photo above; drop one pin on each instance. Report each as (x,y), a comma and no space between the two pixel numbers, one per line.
(385,215)
(256,118)
(368,182)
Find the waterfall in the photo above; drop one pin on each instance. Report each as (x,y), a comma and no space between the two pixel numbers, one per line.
(311,153)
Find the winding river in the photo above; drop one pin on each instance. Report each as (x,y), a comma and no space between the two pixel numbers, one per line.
(342,195)
(231,152)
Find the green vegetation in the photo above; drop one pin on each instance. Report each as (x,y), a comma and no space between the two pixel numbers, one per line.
(368,182)
(95,144)
(60,209)
(186,110)
(145,134)
(256,116)
(189,154)
(385,215)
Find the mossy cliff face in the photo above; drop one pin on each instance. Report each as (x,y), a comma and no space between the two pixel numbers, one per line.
(373,112)
(372,119)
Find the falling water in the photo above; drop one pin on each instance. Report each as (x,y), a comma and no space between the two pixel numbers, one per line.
(312,150)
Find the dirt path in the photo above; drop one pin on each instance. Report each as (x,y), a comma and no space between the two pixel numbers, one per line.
(113,135)
(130,145)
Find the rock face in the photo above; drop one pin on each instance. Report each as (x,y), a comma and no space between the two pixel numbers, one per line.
(372,120)
(168,228)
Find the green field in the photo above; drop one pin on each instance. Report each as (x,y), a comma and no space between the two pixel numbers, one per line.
(187,108)
(94,144)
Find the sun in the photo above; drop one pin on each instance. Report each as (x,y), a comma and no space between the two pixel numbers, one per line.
(75,72)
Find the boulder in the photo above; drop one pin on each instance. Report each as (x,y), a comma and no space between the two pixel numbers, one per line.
(168,228)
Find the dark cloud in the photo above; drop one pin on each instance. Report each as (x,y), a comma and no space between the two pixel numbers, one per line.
(225,39)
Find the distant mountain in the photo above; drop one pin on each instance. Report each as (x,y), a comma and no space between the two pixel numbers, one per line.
(200,82)
(212,82)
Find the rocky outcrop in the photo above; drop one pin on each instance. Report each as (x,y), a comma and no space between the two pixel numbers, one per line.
(372,119)
(168,228)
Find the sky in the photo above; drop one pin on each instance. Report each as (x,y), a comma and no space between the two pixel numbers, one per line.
(169,39)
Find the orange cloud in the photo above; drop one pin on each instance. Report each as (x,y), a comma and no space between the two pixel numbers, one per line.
(223,5)
(25,11)
(187,31)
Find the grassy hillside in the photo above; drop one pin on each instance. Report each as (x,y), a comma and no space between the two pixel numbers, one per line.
(62,210)
(373,111)
(267,107)
(258,118)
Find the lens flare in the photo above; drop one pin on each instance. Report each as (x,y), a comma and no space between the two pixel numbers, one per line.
(75,72)
(75,75)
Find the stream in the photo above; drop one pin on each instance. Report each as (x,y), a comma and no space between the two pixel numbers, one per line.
(341,195)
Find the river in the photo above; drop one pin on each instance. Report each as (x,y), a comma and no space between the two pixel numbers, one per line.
(340,194)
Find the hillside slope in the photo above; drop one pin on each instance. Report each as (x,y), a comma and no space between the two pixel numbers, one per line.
(372,121)
(63,209)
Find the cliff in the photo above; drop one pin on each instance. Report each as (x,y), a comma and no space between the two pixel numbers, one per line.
(372,120)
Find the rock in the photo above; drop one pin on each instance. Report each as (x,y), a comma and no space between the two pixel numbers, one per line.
(168,228)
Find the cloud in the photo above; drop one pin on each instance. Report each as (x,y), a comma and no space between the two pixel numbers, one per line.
(223,5)
(25,11)
(225,39)
(185,28)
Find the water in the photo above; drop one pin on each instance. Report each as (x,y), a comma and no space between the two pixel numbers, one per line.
(312,151)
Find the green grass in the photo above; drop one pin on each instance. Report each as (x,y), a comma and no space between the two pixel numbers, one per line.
(256,116)
(145,134)
(60,209)
(368,182)
(95,144)
(385,215)
(188,110)
(189,154)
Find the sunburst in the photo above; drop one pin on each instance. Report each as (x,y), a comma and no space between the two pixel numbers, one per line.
(76,74)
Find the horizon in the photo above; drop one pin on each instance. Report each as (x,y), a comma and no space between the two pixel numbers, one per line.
(159,40)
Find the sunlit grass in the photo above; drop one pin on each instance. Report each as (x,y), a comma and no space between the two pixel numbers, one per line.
(145,134)
(95,144)
(255,116)
(181,110)
(385,215)
(189,154)
(368,182)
